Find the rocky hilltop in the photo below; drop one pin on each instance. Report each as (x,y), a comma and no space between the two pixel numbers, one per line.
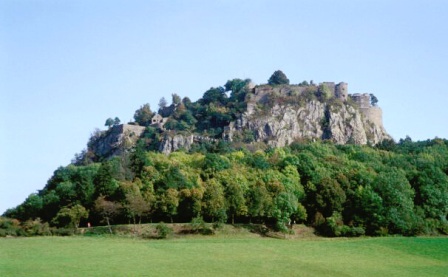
(342,118)
(116,140)
(276,115)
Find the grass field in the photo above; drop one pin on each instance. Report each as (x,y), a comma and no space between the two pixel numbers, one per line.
(223,256)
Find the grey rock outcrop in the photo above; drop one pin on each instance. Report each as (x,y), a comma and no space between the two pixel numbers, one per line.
(116,140)
(171,143)
(339,120)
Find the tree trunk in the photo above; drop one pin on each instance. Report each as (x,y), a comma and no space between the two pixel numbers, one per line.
(108,225)
(233,219)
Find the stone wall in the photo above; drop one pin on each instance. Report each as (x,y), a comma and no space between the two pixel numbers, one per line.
(261,93)
(131,130)
(374,115)
(363,100)
(331,86)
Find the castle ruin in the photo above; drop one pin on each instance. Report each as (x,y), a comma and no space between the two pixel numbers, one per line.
(339,91)
(261,94)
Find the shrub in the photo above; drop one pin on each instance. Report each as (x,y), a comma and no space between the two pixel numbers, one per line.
(36,228)
(259,229)
(334,227)
(443,228)
(63,232)
(11,227)
(97,231)
(163,230)
(348,231)
(218,225)
(198,225)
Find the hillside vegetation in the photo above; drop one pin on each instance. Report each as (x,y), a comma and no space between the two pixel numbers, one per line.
(341,190)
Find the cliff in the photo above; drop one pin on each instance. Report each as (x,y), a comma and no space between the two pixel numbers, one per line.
(171,143)
(116,140)
(284,124)
(275,115)
(281,115)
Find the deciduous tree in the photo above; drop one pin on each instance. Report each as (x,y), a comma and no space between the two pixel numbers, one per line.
(162,103)
(143,115)
(71,216)
(168,202)
(107,209)
(278,78)
(136,206)
(109,122)
(176,99)
(213,201)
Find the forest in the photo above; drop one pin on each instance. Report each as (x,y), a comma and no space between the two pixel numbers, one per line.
(341,190)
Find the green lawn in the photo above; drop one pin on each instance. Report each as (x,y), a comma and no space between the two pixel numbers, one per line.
(223,256)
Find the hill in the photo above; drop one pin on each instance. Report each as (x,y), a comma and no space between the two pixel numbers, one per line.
(271,154)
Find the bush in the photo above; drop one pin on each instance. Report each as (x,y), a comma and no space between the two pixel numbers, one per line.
(63,232)
(36,228)
(259,229)
(198,225)
(11,227)
(218,225)
(334,227)
(163,230)
(353,231)
(97,231)
(443,228)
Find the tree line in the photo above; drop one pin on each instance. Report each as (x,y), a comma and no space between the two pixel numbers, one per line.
(341,190)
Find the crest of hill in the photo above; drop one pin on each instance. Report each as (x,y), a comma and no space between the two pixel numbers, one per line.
(242,112)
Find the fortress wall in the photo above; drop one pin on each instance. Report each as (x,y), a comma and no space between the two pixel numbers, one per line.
(340,91)
(363,100)
(135,129)
(261,93)
(331,86)
(374,115)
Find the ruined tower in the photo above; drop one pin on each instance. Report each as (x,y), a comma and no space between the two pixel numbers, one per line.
(341,91)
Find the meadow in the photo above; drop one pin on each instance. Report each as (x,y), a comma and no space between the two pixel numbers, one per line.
(223,256)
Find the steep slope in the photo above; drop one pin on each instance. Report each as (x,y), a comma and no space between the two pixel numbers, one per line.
(276,115)
(284,123)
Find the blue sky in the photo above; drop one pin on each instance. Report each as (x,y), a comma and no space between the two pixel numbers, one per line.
(66,66)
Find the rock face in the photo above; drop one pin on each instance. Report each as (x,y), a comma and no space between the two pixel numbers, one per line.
(171,143)
(116,140)
(341,119)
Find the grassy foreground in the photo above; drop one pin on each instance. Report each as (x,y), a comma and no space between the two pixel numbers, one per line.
(223,256)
